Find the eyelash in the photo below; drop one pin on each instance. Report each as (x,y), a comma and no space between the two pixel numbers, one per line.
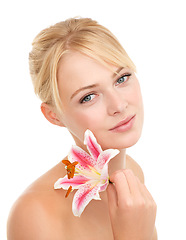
(82,100)
(122,77)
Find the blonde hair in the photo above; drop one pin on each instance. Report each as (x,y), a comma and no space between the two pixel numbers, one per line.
(75,34)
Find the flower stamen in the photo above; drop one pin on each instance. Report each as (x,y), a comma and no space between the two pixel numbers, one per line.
(68,191)
(70,167)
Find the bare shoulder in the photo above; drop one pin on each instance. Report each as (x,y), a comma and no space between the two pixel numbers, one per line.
(25,220)
(36,213)
(135,167)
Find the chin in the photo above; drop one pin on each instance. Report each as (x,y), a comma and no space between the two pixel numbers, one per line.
(122,141)
(130,143)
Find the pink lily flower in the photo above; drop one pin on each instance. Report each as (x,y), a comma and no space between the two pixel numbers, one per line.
(90,175)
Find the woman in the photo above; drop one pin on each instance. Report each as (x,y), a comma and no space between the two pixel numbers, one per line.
(86,80)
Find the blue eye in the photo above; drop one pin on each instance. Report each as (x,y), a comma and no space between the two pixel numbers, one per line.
(87,98)
(123,79)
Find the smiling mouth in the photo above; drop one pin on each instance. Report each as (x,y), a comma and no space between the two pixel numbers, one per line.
(124,125)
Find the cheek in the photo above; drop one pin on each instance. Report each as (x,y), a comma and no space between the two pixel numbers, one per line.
(89,118)
(79,121)
(136,103)
(136,97)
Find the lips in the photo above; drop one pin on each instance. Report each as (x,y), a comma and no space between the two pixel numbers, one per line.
(124,125)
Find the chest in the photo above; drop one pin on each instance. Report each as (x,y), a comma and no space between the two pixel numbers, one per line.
(86,231)
(94,229)
(94,224)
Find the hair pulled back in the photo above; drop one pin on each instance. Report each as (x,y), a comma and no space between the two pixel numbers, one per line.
(75,34)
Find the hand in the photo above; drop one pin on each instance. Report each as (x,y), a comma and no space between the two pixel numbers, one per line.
(131,207)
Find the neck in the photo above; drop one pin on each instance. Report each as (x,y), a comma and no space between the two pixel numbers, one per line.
(118,162)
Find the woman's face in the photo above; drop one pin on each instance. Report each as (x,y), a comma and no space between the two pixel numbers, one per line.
(95,98)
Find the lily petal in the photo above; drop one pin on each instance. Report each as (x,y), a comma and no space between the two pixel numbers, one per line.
(75,182)
(104,187)
(87,173)
(93,147)
(105,157)
(104,173)
(83,196)
(82,157)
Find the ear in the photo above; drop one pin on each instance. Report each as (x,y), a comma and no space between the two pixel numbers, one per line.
(50,115)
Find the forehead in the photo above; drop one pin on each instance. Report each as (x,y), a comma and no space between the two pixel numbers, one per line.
(78,62)
(76,70)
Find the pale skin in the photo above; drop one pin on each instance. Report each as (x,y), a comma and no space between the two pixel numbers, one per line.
(127,209)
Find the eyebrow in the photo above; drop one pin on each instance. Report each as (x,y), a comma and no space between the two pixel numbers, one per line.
(117,71)
(83,88)
(95,85)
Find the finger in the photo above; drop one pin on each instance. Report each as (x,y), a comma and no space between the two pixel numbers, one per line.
(144,191)
(112,196)
(132,183)
(121,186)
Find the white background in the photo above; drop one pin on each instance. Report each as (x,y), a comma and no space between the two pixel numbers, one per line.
(153,33)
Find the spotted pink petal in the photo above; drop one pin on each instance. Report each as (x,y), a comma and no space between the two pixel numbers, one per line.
(93,147)
(105,157)
(75,182)
(82,157)
(83,196)
(91,174)
(104,187)
(104,173)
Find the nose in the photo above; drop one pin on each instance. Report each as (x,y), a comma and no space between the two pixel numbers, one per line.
(116,103)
